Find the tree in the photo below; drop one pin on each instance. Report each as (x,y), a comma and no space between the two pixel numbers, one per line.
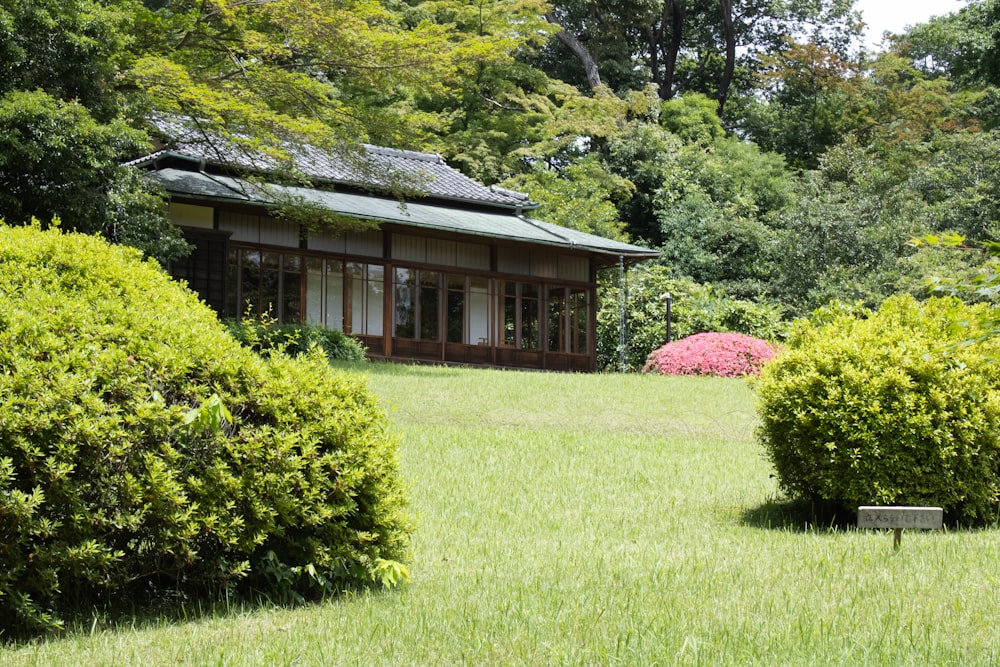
(959,186)
(703,46)
(963,46)
(71,49)
(704,198)
(57,161)
(581,196)
(813,98)
(334,73)
(847,231)
(63,128)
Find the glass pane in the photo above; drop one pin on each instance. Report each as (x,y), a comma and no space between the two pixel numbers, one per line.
(250,283)
(456,309)
(314,290)
(405,306)
(354,306)
(579,321)
(291,289)
(375,304)
(270,265)
(232,308)
(479,312)
(510,314)
(529,324)
(334,313)
(429,306)
(557,320)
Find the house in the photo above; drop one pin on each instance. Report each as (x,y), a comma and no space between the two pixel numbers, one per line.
(454,272)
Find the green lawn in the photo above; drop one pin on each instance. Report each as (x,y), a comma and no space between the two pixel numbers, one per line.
(599,520)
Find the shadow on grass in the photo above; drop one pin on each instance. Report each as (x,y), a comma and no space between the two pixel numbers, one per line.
(164,611)
(828,517)
(800,516)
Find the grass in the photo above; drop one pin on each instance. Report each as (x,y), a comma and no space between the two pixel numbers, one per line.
(599,520)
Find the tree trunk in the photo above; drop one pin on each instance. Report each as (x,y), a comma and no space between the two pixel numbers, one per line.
(729,35)
(673,11)
(579,50)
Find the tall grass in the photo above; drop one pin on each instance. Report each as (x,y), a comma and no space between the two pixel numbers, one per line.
(599,520)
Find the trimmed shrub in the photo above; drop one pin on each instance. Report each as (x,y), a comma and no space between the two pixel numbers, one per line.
(295,339)
(887,408)
(722,354)
(144,454)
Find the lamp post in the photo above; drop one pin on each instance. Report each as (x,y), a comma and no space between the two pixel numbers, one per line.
(668,301)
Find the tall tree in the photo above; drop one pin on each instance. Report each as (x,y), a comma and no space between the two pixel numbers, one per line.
(701,46)
(963,46)
(812,98)
(63,131)
(331,71)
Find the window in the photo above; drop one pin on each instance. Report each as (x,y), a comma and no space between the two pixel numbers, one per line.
(430,320)
(567,320)
(405,303)
(293,288)
(365,285)
(521,315)
(456,309)
(478,311)
(256,285)
(416,304)
(468,315)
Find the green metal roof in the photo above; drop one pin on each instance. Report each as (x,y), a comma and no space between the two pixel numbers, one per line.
(494,225)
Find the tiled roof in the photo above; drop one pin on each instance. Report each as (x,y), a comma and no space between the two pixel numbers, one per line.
(375,168)
(498,224)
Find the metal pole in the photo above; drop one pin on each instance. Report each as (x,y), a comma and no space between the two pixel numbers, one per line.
(669,301)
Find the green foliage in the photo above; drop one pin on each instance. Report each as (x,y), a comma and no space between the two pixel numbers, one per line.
(813,101)
(145,455)
(268,338)
(958,186)
(70,49)
(887,408)
(695,309)
(843,238)
(692,117)
(57,160)
(582,195)
(963,45)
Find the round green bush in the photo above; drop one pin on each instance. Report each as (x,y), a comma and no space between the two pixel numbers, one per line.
(887,408)
(144,454)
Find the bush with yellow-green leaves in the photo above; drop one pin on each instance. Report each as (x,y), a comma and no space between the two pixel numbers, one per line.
(892,407)
(145,453)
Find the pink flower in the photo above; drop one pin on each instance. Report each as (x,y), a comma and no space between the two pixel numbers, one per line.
(723,354)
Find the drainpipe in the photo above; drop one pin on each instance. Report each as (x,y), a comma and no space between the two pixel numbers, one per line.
(622,322)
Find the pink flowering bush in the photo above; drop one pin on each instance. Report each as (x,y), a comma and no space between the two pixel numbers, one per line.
(723,354)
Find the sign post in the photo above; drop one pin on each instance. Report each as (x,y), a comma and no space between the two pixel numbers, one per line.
(898,518)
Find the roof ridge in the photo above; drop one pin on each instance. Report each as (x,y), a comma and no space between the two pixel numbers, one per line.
(400,152)
(378,167)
